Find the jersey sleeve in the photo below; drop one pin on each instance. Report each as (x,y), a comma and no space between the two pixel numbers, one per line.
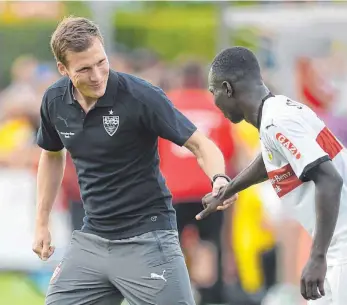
(292,139)
(161,117)
(47,136)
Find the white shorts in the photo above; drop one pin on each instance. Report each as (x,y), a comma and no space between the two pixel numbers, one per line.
(335,287)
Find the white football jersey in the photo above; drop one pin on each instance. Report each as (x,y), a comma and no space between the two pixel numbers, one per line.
(294,140)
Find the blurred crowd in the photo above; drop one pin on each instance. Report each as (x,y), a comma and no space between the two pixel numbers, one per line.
(247,236)
(20,100)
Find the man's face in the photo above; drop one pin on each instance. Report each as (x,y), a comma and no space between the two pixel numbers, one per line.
(224,99)
(88,70)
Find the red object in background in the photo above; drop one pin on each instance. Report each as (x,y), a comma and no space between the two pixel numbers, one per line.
(314,87)
(311,99)
(184,177)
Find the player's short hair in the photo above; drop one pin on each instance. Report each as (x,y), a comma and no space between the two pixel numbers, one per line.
(73,34)
(236,64)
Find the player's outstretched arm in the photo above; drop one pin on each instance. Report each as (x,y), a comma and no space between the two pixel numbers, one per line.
(328,184)
(253,174)
(49,178)
(210,159)
(208,155)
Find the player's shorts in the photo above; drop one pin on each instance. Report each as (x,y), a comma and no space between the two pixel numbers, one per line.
(145,269)
(335,287)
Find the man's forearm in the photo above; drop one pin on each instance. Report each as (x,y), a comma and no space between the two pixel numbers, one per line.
(211,160)
(49,178)
(207,153)
(253,174)
(328,194)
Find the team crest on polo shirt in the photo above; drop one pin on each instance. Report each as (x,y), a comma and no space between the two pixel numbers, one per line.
(111,123)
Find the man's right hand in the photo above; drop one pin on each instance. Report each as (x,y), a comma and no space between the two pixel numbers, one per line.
(42,243)
(212,204)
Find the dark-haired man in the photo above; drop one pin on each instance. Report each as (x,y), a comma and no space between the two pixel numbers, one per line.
(304,161)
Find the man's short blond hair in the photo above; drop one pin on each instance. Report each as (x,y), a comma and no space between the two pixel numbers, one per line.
(73,34)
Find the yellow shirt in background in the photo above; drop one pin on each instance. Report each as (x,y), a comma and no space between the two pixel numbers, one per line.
(250,237)
(13,134)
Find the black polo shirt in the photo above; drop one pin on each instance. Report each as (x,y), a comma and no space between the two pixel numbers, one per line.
(114,149)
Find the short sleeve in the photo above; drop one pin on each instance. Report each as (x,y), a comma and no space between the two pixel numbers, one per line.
(47,136)
(161,117)
(296,143)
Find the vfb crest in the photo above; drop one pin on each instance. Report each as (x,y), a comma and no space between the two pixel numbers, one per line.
(111,124)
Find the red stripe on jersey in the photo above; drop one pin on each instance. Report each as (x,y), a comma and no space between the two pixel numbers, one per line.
(284,180)
(328,143)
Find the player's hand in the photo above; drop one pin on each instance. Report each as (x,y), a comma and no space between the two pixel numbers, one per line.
(312,278)
(218,184)
(212,204)
(42,243)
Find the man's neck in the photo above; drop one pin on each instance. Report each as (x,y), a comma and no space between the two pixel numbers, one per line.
(254,105)
(85,102)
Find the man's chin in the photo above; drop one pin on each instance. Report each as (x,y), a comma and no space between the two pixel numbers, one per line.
(234,119)
(98,93)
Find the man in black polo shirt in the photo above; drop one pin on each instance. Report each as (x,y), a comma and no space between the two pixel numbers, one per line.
(110,123)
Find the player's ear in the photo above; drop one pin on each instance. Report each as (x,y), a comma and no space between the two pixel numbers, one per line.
(61,68)
(228,88)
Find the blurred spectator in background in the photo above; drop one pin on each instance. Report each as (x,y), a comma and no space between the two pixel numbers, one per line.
(337,63)
(23,73)
(252,235)
(150,67)
(315,86)
(200,240)
(19,104)
(121,62)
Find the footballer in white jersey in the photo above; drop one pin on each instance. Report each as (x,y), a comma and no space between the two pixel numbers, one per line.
(305,163)
(294,140)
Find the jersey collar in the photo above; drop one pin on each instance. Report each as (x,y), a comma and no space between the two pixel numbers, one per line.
(260,110)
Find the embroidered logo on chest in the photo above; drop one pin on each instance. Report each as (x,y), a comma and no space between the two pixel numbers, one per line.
(111,123)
